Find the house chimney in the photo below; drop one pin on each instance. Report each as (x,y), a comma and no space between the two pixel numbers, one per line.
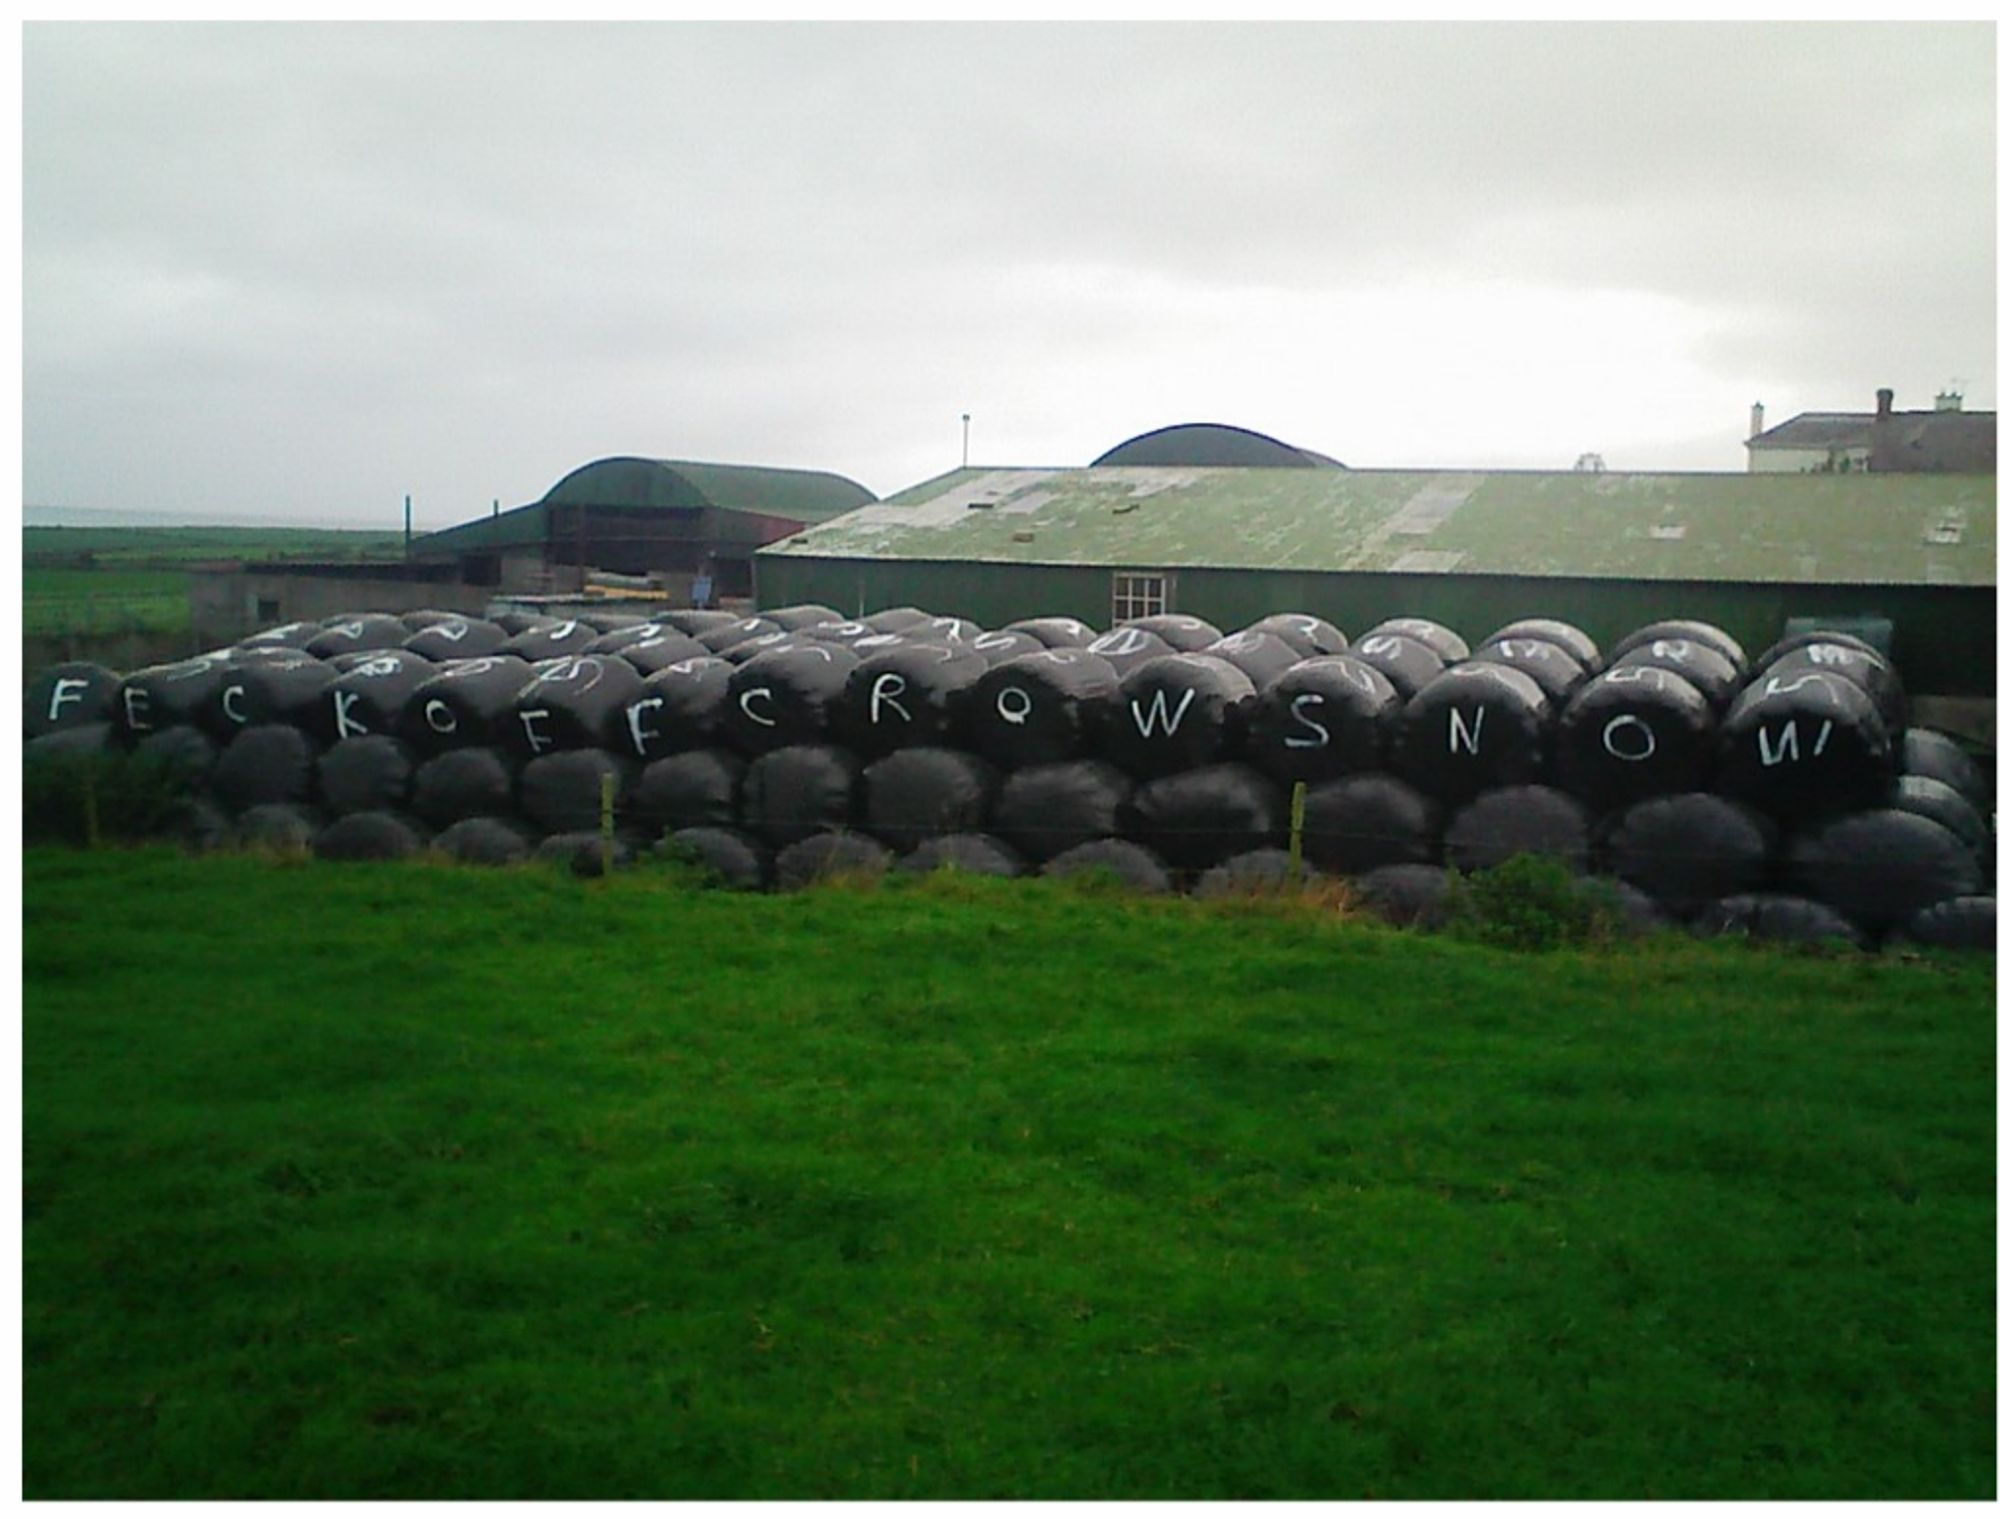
(1883,400)
(1950,400)
(1757,420)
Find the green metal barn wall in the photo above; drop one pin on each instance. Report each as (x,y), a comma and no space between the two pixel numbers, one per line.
(1943,641)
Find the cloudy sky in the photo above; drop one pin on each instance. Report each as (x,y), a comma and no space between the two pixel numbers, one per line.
(298,271)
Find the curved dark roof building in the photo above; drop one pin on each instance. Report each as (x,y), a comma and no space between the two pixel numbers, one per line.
(641,516)
(799,495)
(1212,444)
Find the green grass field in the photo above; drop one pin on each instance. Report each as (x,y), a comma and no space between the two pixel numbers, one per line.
(118,580)
(419,1182)
(115,545)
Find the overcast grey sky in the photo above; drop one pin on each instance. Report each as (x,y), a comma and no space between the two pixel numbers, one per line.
(299,271)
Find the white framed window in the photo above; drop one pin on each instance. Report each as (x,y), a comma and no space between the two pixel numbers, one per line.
(1139,593)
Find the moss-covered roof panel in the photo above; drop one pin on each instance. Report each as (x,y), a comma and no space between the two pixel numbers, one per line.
(1864,529)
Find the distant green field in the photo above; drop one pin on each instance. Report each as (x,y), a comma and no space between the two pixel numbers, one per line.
(123,579)
(415,1182)
(111,545)
(103,601)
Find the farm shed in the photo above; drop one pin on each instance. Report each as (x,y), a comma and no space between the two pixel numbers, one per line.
(1473,549)
(668,518)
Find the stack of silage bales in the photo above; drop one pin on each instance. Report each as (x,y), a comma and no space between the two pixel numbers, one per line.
(1784,795)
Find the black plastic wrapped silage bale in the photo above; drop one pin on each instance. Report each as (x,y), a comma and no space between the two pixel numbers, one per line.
(1177,712)
(1475,727)
(1701,666)
(427,617)
(915,695)
(551,639)
(1634,732)
(1940,757)
(1957,923)
(1311,637)
(1778,917)
(895,619)
(1183,633)
(573,703)
(1866,668)
(1364,822)
(468,703)
(1572,640)
(373,695)
(357,633)
(1125,649)
(1941,804)
(1881,866)
(792,793)
(464,783)
(726,856)
(1008,643)
(1409,896)
(1323,718)
(1688,850)
(184,752)
(368,773)
(70,695)
(916,794)
(1792,642)
(695,623)
(744,650)
(697,788)
(1043,810)
(657,652)
(279,686)
(377,835)
(1804,746)
(1408,664)
(728,635)
(828,857)
(1040,709)
(587,854)
(79,741)
(1255,873)
(1264,657)
(788,695)
(166,696)
(1442,641)
(456,637)
(678,708)
(1682,628)
(978,854)
(1496,826)
(1196,819)
(1133,867)
(269,764)
(1547,664)
(484,840)
(800,615)
(563,792)
(275,825)
(951,632)
(288,635)
(1055,632)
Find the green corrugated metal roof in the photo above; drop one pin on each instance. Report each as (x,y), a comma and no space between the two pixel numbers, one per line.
(1830,529)
(801,495)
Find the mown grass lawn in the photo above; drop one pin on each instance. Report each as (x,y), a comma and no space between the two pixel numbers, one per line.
(410,1181)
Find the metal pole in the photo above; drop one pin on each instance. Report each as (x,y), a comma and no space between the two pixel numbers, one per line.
(965,451)
(406,527)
